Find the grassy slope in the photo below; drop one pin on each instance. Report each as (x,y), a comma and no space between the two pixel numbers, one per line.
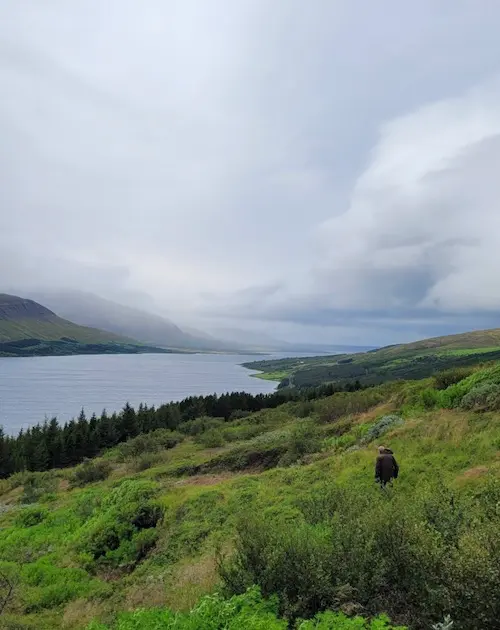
(54,329)
(408,361)
(201,509)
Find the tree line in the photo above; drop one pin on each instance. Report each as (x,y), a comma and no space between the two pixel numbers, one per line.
(51,445)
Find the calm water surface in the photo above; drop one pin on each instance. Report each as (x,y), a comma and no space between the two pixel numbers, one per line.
(32,388)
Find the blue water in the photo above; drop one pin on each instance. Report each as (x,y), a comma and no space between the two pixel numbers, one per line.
(34,388)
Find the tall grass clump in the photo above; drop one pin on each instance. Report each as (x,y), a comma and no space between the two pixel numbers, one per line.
(123,530)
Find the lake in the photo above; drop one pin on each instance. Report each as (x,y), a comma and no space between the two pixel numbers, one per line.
(34,388)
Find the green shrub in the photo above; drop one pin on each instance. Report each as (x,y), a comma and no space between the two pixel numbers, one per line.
(443,380)
(36,485)
(305,409)
(243,612)
(339,621)
(51,586)
(248,611)
(153,442)
(452,396)
(239,414)
(305,438)
(430,398)
(414,559)
(245,456)
(243,431)
(212,438)
(29,517)
(386,423)
(145,461)
(200,425)
(341,442)
(112,536)
(483,397)
(90,472)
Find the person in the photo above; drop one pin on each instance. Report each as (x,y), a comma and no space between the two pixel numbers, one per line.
(386,467)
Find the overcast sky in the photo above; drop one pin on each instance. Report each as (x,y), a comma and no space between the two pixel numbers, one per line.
(324,170)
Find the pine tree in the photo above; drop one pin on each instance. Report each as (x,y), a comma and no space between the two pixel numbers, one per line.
(129,427)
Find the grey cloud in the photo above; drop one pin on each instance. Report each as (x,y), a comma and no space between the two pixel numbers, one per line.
(191,151)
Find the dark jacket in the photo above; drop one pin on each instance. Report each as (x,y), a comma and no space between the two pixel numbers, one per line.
(386,467)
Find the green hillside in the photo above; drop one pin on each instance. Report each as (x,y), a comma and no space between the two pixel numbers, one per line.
(406,361)
(29,329)
(281,502)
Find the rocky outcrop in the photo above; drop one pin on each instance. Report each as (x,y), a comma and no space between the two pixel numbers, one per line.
(14,308)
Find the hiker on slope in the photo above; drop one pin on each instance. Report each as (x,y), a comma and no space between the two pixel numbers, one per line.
(386,467)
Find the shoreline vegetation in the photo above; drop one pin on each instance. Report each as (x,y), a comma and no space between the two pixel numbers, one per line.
(69,347)
(243,511)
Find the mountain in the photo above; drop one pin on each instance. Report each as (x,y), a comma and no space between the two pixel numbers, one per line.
(88,309)
(418,359)
(28,328)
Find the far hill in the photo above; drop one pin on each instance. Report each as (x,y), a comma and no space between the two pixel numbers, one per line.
(403,361)
(28,328)
(88,309)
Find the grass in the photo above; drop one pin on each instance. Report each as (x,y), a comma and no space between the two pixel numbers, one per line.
(185,526)
(278,375)
(53,329)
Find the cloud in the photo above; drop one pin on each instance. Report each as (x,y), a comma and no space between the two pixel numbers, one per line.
(322,170)
(420,239)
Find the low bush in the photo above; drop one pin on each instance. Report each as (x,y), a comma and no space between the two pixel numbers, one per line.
(430,398)
(248,611)
(386,423)
(484,397)
(145,461)
(51,586)
(262,457)
(37,484)
(244,431)
(29,517)
(338,621)
(153,442)
(345,403)
(305,438)
(90,471)
(212,438)
(201,425)
(114,536)
(443,380)
(305,409)
(452,396)
(341,442)
(415,559)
